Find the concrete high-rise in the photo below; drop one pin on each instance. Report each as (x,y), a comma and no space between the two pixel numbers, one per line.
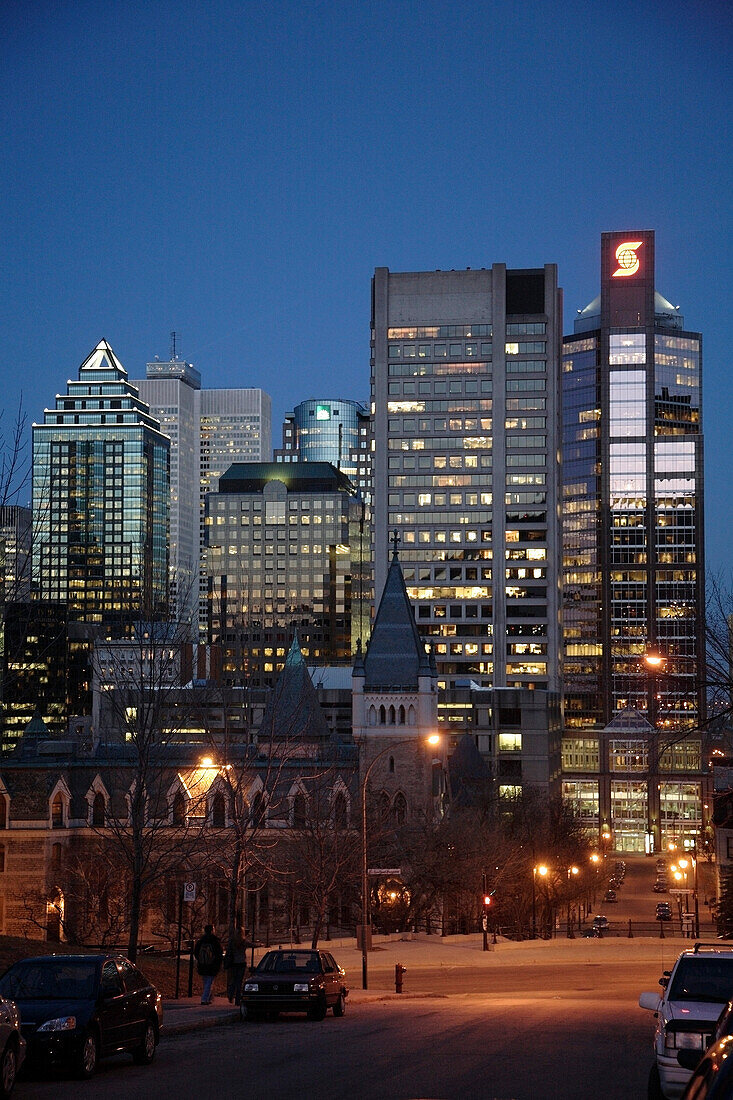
(633,557)
(209,429)
(465,402)
(101,498)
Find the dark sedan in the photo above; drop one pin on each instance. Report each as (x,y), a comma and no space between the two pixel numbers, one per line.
(295,981)
(713,1078)
(76,1009)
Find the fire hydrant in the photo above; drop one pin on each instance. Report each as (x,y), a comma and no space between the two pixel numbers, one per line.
(399,971)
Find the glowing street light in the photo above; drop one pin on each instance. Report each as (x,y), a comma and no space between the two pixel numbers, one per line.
(542,870)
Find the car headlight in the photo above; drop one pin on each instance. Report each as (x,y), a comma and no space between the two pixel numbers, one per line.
(61,1023)
(685,1040)
(301,987)
(251,987)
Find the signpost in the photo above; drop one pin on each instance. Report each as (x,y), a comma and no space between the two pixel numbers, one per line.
(188,894)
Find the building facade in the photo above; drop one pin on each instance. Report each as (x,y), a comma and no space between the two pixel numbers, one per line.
(101,498)
(209,429)
(633,554)
(465,405)
(286,549)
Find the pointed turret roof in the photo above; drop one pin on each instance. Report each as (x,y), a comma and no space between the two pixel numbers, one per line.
(293,711)
(395,655)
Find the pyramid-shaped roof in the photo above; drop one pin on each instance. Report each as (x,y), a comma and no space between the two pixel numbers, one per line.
(396,655)
(102,358)
(293,711)
(629,721)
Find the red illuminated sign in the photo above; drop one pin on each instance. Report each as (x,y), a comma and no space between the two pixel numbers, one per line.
(627,259)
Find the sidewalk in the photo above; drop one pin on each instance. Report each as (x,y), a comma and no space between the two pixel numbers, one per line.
(433,953)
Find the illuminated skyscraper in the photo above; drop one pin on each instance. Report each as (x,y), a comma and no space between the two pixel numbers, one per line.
(101,498)
(633,555)
(465,401)
(286,546)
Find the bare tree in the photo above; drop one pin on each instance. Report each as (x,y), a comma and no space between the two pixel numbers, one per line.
(157,813)
(322,851)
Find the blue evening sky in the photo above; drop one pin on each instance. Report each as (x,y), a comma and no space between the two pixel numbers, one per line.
(235,171)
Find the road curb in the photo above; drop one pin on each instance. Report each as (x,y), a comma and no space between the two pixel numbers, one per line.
(201,1024)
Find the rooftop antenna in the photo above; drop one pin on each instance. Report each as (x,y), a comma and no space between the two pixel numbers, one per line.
(173,345)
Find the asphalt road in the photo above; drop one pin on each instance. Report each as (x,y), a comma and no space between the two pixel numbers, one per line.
(580,1038)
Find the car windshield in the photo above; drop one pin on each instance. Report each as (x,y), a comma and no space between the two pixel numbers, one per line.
(701,979)
(304,962)
(50,980)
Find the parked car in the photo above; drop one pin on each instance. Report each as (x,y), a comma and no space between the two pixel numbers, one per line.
(76,1009)
(713,1077)
(295,981)
(687,1010)
(610,895)
(614,883)
(664,911)
(12,1045)
(659,887)
(600,923)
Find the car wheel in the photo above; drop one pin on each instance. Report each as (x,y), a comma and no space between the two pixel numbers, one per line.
(144,1054)
(318,1011)
(339,1009)
(654,1086)
(8,1070)
(86,1062)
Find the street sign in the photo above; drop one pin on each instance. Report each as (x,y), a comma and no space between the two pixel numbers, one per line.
(189,891)
(681,891)
(385,871)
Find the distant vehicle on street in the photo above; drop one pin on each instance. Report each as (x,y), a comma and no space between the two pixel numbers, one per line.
(12,1045)
(295,981)
(659,887)
(600,923)
(610,896)
(76,1009)
(694,993)
(664,911)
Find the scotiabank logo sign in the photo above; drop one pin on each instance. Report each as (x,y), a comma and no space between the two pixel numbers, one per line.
(627,259)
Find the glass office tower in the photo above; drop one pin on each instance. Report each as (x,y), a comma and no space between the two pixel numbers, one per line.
(100,498)
(330,430)
(633,555)
(465,404)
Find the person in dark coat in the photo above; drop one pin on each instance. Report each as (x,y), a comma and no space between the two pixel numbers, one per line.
(235,963)
(208,954)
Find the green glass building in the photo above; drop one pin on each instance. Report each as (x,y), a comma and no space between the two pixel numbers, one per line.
(101,498)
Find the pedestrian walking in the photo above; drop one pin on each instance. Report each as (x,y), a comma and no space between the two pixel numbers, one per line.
(235,964)
(208,954)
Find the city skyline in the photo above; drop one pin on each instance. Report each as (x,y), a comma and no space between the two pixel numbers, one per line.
(310,151)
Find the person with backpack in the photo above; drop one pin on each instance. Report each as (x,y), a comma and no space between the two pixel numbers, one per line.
(208,954)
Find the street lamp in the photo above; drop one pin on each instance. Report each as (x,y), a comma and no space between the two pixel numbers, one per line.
(542,870)
(366,928)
